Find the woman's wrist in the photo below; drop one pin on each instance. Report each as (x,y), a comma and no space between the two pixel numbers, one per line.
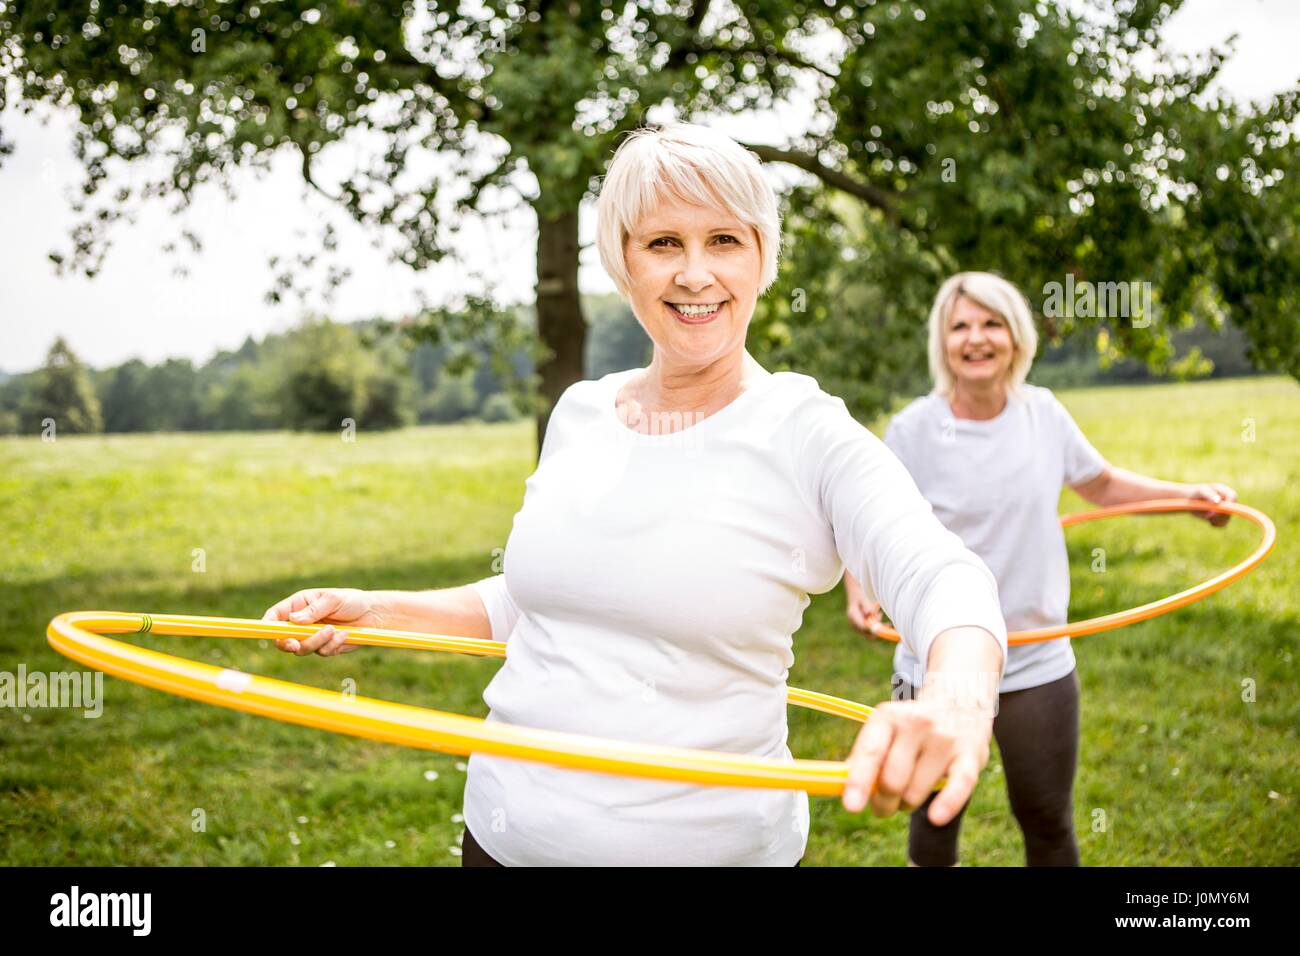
(964,670)
(454,611)
(382,610)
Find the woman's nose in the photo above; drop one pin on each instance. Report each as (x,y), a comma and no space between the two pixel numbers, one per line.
(695,274)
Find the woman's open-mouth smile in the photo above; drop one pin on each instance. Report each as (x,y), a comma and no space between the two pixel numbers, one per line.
(695,313)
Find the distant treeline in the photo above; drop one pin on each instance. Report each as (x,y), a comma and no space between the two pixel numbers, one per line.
(1204,353)
(320,373)
(309,378)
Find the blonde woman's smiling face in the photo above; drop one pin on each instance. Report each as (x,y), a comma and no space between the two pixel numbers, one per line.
(979,346)
(694,274)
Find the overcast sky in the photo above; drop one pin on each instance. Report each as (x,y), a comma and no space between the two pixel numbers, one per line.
(136,307)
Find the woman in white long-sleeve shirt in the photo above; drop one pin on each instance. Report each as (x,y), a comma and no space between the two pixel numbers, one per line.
(678,520)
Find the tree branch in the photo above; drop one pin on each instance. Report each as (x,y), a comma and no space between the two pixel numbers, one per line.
(307,176)
(770,52)
(872,195)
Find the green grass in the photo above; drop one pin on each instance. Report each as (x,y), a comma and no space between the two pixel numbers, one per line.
(1185,771)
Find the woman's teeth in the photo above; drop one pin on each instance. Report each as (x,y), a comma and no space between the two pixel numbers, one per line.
(697,309)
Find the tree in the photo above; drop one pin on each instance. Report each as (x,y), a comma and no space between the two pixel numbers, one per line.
(246,398)
(323,377)
(615,340)
(451,400)
(127,403)
(389,395)
(174,396)
(1020,138)
(63,393)
(1011,134)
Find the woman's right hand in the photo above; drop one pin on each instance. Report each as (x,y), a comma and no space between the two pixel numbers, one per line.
(347,606)
(863,614)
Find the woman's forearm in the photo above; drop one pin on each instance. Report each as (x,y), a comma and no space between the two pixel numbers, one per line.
(458,611)
(1119,486)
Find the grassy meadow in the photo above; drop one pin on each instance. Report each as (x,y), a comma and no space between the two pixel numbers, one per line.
(1179,766)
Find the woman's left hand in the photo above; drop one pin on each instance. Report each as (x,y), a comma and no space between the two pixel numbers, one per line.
(906,747)
(1212,491)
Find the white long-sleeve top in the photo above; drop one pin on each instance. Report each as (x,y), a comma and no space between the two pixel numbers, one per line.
(652,587)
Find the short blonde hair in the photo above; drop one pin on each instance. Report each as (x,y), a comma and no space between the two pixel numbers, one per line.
(997,295)
(699,166)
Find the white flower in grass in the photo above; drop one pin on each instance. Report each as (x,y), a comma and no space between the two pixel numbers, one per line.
(293,838)
(454,850)
(431,775)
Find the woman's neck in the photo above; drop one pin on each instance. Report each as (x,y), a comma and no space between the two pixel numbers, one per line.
(701,388)
(979,403)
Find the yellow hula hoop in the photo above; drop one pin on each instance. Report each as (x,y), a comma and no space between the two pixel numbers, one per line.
(79,635)
(1107,622)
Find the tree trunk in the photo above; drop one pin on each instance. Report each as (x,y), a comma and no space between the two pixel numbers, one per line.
(560,323)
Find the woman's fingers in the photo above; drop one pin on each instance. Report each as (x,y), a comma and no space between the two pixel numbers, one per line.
(864,761)
(863,614)
(963,773)
(936,757)
(308,607)
(327,642)
(281,610)
(904,750)
(337,645)
(1226,494)
(872,612)
(856,617)
(318,640)
(1216,492)
(319,605)
(884,756)
(913,733)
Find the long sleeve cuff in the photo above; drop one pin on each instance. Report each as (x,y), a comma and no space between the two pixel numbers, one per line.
(501,609)
(961,595)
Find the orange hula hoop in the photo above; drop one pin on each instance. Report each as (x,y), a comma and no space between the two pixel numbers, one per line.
(1107,622)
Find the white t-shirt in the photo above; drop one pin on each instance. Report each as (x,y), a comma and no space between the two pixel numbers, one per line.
(997,484)
(653,584)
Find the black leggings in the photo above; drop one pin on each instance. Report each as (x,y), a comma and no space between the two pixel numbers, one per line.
(471,854)
(1037,730)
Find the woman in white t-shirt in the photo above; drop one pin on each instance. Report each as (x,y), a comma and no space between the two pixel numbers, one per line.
(991,453)
(678,519)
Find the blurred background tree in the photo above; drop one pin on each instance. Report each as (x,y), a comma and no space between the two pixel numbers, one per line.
(62,392)
(1015,135)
